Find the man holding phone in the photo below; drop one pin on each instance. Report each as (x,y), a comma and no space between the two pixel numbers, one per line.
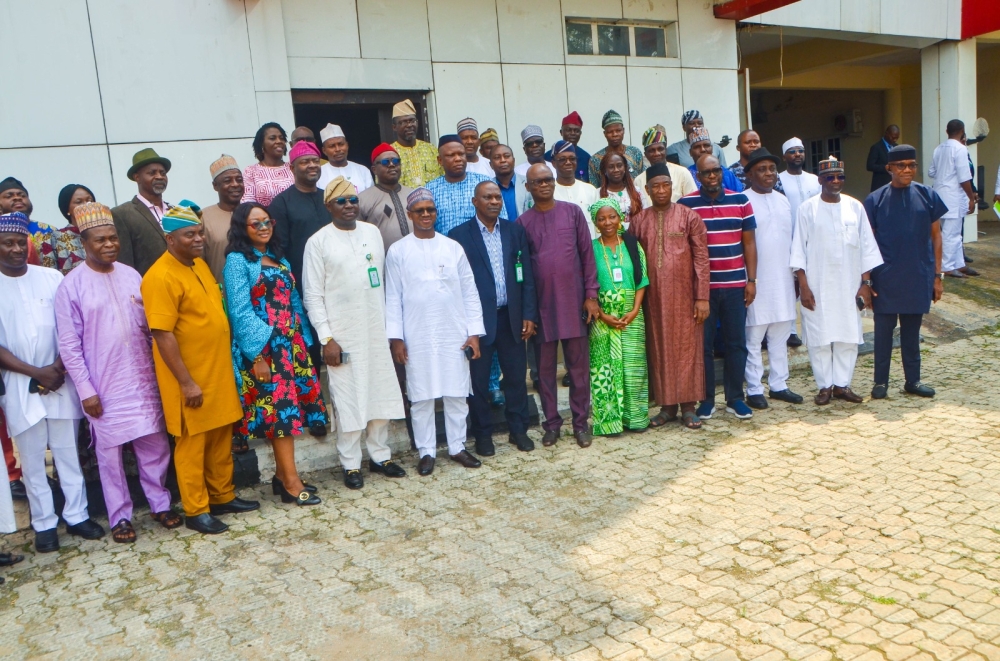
(434,320)
(342,271)
(833,254)
(42,407)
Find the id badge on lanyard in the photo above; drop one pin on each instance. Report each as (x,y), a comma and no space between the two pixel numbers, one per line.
(616,274)
(373,278)
(518,269)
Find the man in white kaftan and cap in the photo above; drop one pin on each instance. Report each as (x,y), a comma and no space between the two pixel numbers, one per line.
(344,296)
(798,184)
(334,145)
(42,407)
(434,320)
(772,313)
(833,253)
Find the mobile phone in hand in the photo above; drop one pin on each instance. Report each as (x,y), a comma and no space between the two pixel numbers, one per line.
(860,303)
(35,388)
(345,357)
(469,352)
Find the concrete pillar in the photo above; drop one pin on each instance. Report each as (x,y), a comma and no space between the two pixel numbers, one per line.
(948,91)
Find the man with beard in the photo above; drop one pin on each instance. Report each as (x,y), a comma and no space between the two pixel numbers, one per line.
(227,180)
(419,159)
(614,133)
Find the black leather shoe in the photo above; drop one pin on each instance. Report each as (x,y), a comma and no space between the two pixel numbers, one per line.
(756,401)
(485,447)
(426,465)
(880,391)
(389,468)
(550,437)
(305,497)
(522,441)
(277,487)
(353,479)
(466,459)
(206,524)
(497,399)
(785,395)
(88,529)
(583,438)
(17,490)
(794,341)
(47,541)
(8,559)
(318,431)
(566,380)
(234,506)
(919,389)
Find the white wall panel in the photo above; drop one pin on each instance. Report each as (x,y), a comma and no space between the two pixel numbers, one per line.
(822,14)
(321,28)
(650,10)
(469,90)
(193,80)
(592,92)
(345,73)
(379,23)
(592,8)
(49,75)
(531,31)
(715,93)
(189,161)
(268,50)
(464,31)
(533,94)
(276,107)
(705,41)
(87,165)
(654,98)
(920,18)
(860,16)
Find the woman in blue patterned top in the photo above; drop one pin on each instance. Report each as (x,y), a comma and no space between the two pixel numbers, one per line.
(278,385)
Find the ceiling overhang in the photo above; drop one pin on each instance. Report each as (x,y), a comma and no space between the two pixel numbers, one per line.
(738,10)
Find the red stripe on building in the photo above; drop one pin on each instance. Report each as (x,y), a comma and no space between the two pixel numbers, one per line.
(978,17)
(737,10)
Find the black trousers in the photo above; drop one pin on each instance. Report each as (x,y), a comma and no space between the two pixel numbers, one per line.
(513,359)
(909,344)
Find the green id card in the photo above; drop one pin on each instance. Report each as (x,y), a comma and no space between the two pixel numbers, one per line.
(373,276)
(519,272)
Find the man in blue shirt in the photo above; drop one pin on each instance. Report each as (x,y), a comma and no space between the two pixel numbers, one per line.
(454,189)
(700,144)
(511,185)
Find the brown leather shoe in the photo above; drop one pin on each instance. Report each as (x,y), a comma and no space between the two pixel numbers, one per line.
(550,438)
(824,396)
(583,438)
(466,459)
(426,465)
(847,395)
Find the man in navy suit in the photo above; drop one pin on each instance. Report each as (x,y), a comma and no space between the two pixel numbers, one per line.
(498,253)
(878,157)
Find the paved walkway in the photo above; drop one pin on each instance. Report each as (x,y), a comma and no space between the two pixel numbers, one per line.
(849,532)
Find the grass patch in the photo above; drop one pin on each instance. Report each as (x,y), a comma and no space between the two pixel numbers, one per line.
(885,601)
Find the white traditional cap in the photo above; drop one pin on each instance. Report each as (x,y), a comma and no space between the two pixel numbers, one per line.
(331,131)
(792,142)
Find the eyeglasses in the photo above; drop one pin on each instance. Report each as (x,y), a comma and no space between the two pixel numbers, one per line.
(424,212)
(905,166)
(386,162)
(835,177)
(545,181)
(341,201)
(712,172)
(261,225)
(534,143)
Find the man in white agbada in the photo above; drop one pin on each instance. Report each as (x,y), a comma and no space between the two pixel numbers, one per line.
(334,145)
(342,272)
(953,182)
(772,313)
(42,407)
(833,253)
(434,320)
(568,187)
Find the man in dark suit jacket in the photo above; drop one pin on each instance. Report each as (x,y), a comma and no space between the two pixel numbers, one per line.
(498,254)
(878,157)
(138,220)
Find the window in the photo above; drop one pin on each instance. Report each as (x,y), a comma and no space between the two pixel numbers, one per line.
(607,38)
(820,150)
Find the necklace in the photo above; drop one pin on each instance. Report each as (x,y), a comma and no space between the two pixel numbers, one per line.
(614,254)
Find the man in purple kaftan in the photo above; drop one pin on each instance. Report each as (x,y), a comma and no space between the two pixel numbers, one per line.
(562,256)
(106,347)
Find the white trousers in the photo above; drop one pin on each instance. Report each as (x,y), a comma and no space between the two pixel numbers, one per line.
(376,438)
(777,356)
(833,364)
(59,436)
(456,410)
(952,256)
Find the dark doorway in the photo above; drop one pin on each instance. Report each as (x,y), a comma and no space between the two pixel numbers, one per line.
(365,116)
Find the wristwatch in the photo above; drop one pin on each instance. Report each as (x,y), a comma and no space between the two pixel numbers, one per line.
(325,341)
(867,282)
(752,281)
(939,276)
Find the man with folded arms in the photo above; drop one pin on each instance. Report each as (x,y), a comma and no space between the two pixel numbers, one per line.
(106,346)
(194,371)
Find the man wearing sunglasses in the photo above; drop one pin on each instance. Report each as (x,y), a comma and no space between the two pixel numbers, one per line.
(833,254)
(534,150)
(384,204)
(906,219)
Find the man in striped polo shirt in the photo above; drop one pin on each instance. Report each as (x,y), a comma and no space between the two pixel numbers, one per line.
(732,255)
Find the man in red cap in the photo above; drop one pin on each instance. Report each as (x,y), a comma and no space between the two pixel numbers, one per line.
(572,129)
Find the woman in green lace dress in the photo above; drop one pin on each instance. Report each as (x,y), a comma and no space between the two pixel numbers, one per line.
(619,385)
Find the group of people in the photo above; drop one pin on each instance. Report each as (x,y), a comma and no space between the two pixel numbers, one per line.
(448,273)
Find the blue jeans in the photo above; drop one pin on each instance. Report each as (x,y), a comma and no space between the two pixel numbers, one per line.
(728,312)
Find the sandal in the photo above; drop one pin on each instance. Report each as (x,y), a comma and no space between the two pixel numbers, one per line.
(123,532)
(169,519)
(661,419)
(240,445)
(691,420)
